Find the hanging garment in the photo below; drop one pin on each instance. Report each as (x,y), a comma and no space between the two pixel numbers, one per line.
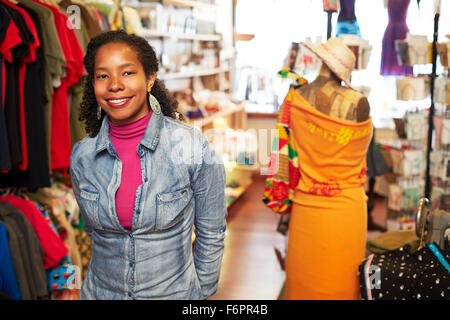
(36,174)
(53,57)
(5,158)
(8,281)
(52,245)
(14,56)
(283,171)
(395,30)
(30,36)
(60,131)
(31,252)
(376,165)
(405,275)
(16,244)
(346,22)
(322,260)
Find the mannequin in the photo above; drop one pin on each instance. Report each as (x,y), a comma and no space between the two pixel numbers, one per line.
(329,133)
(327,95)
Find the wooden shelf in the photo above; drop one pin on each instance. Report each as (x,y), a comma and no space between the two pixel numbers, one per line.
(184,36)
(207,120)
(189,4)
(191,74)
(239,192)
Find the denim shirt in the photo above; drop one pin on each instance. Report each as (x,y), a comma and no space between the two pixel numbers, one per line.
(183,186)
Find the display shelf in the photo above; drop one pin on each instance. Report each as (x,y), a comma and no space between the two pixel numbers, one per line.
(190,74)
(239,191)
(147,33)
(209,119)
(189,4)
(176,3)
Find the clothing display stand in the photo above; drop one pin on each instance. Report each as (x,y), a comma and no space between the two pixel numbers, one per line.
(432,109)
(329,26)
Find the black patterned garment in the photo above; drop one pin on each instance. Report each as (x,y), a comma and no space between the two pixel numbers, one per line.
(402,275)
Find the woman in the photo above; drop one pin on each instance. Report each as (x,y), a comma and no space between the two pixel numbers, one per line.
(142,180)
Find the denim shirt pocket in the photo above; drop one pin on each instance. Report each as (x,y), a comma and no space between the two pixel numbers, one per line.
(170,207)
(90,204)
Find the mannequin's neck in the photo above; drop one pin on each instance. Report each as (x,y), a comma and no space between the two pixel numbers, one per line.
(326,73)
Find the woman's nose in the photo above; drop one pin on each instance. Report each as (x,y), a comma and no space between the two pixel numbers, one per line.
(115,84)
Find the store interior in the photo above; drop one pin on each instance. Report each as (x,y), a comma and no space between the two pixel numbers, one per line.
(230,64)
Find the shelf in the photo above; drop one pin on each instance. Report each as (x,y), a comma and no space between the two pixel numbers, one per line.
(189,4)
(191,74)
(207,120)
(239,192)
(184,36)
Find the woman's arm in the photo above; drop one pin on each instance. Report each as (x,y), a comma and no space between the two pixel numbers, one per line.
(210,223)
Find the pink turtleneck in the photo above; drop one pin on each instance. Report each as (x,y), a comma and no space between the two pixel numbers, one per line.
(125,139)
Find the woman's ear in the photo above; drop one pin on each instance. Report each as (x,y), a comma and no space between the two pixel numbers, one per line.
(150,81)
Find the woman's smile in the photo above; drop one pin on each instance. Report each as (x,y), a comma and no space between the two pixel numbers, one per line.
(118,102)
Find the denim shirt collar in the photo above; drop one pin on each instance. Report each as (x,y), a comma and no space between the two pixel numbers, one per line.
(149,140)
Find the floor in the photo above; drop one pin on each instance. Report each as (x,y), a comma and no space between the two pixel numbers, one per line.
(250,268)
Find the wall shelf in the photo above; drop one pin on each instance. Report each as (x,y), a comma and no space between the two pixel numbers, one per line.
(184,36)
(189,4)
(209,119)
(191,74)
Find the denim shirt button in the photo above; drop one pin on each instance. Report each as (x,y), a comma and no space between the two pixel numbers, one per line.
(131,264)
(146,179)
(129,294)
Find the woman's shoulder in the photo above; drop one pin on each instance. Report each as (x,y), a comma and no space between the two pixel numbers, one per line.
(84,147)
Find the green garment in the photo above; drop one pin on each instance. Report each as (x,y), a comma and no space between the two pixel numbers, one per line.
(393,240)
(92,27)
(54,60)
(77,131)
(89,25)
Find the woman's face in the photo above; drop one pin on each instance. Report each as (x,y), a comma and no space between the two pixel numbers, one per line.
(120,83)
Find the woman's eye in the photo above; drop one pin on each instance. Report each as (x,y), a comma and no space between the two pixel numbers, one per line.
(102,76)
(127,73)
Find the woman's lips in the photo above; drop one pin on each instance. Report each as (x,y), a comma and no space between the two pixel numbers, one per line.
(118,102)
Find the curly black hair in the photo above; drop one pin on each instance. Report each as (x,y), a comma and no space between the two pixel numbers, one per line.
(148,59)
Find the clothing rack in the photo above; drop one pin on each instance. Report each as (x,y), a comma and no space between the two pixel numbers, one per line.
(427,193)
(329,25)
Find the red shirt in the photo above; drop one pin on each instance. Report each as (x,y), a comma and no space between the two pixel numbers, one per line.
(52,245)
(31,57)
(12,38)
(60,129)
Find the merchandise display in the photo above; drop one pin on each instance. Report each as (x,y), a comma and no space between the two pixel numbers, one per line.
(314,160)
(395,30)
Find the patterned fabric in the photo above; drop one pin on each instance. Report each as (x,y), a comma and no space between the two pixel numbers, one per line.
(85,247)
(395,30)
(404,275)
(283,167)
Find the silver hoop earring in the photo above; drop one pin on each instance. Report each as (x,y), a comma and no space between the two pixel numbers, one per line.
(99,113)
(154,104)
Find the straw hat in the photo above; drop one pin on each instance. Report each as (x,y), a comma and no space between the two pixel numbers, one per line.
(337,56)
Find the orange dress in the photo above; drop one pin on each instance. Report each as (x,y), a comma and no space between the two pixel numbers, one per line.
(327,229)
